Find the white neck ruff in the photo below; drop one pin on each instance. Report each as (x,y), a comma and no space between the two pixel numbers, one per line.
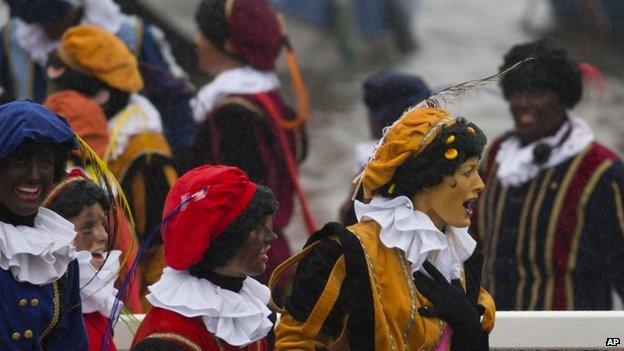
(237,318)
(139,116)
(32,38)
(38,255)
(413,232)
(515,162)
(242,80)
(97,289)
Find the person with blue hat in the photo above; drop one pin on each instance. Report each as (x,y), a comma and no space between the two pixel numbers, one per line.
(39,282)
(387,94)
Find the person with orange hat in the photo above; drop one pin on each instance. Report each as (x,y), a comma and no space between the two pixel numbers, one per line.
(243,119)
(217,234)
(99,65)
(407,275)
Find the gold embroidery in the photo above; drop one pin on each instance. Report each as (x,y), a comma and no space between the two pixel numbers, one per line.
(176,338)
(618,205)
(580,221)
(552,226)
(520,244)
(412,291)
(537,278)
(56,301)
(494,242)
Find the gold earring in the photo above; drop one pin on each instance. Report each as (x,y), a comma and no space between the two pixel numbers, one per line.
(471,130)
(450,139)
(391,188)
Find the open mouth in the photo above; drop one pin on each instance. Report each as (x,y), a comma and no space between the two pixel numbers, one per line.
(29,192)
(469,206)
(264,254)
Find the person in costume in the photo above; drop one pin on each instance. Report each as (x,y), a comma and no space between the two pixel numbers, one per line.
(84,204)
(243,119)
(386,95)
(39,282)
(99,65)
(550,218)
(217,230)
(88,121)
(34,32)
(407,275)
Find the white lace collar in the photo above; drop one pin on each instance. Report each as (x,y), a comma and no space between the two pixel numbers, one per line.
(139,116)
(97,289)
(237,318)
(242,80)
(40,254)
(32,38)
(414,233)
(515,162)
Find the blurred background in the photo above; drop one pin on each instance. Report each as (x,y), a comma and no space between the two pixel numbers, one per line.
(341,42)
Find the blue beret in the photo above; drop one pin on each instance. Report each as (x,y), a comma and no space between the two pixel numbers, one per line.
(39,11)
(387,94)
(20,120)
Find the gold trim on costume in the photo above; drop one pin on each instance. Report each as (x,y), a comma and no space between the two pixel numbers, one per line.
(537,278)
(229,4)
(580,221)
(484,200)
(552,226)
(520,244)
(138,202)
(56,301)
(412,293)
(237,100)
(494,243)
(175,337)
(618,204)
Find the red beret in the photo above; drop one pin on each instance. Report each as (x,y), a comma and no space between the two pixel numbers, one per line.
(255,32)
(199,207)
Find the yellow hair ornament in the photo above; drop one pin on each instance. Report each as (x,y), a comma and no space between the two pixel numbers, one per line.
(450,139)
(471,130)
(391,188)
(451,154)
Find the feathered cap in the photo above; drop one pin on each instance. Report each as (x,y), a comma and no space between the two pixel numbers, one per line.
(93,51)
(406,138)
(199,207)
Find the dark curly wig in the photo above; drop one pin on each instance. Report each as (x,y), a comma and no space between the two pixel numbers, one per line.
(210,18)
(222,249)
(552,69)
(429,167)
(77,195)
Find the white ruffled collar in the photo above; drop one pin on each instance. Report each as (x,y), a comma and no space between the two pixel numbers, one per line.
(32,38)
(139,116)
(242,80)
(40,254)
(515,162)
(237,318)
(97,289)
(414,233)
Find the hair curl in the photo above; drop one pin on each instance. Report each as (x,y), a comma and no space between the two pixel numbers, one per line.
(223,248)
(429,167)
(551,69)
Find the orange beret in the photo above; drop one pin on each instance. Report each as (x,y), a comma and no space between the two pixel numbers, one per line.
(406,138)
(93,51)
(84,116)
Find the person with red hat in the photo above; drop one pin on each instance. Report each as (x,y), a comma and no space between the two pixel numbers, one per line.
(217,234)
(243,119)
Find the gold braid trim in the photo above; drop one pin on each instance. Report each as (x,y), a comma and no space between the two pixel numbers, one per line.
(175,338)
(56,301)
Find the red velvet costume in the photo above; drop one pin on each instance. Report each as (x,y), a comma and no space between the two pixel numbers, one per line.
(96,328)
(186,333)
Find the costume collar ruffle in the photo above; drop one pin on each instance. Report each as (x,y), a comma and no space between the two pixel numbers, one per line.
(97,289)
(237,318)
(38,255)
(515,162)
(242,80)
(32,38)
(413,232)
(139,116)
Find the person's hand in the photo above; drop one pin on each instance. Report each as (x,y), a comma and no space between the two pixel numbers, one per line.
(450,302)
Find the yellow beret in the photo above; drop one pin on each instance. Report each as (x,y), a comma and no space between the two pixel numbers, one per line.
(416,129)
(93,51)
